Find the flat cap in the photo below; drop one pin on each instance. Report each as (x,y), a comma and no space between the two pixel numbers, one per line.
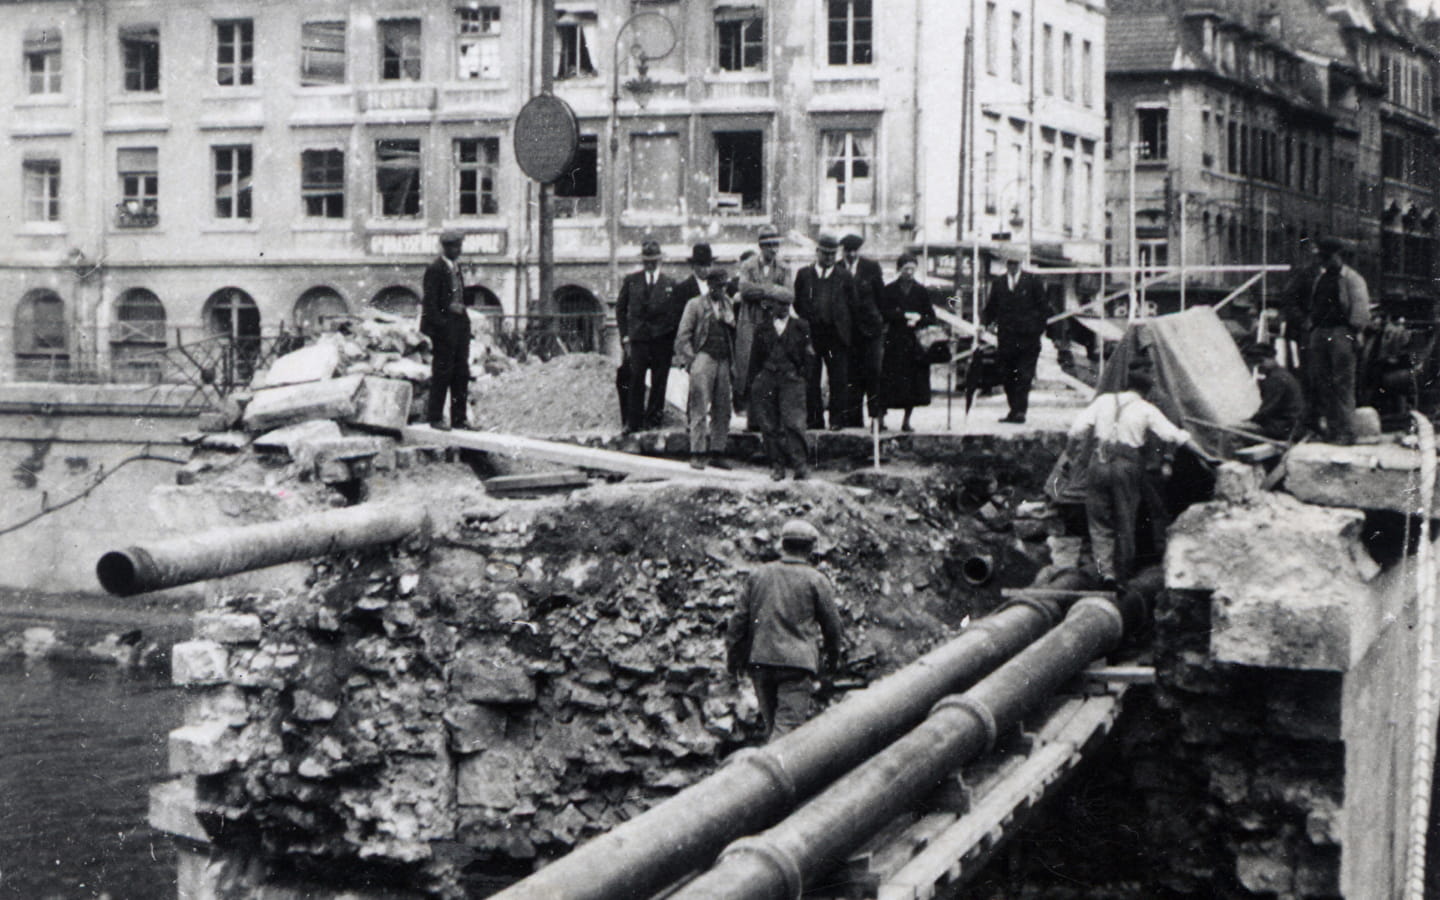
(1329,245)
(800,531)
(452,237)
(769,234)
(852,241)
(827,241)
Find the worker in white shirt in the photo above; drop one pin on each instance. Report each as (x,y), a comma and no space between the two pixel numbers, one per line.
(1120,423)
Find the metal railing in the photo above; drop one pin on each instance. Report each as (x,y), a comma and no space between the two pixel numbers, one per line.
(546,336)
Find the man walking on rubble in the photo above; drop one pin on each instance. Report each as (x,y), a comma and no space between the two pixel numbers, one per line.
(1120,423)
(1339,313)
(444,320)
(771,633)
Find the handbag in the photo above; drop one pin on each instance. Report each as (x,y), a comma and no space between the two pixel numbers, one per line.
(931,335)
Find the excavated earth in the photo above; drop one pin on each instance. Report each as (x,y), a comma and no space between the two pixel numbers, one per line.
(536,671)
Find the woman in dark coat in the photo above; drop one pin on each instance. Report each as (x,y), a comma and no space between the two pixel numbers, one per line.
(904,373)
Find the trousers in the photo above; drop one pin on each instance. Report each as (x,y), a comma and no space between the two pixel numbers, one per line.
(786,697)
(708,407)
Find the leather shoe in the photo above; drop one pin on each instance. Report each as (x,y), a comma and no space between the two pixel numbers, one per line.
(1014,419)
(439,426)
(801,474)
(697,462)
(719,462)
(777,474)
(461,426)
(906,428)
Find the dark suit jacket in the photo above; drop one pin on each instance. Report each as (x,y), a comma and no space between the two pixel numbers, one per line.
(686,290)
(435,315)
(645,313)
(826,303)
(1020,314)
(869,290)
(791,351)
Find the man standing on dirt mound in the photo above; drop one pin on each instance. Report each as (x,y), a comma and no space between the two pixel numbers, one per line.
(771,634)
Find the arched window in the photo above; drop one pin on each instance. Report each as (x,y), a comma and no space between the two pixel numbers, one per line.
(482,299)
(41,344)
(582,318)
(397,300)
(317,307)
(137,336)
(231,316)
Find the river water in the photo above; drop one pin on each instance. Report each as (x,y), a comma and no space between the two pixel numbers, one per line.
(80,746)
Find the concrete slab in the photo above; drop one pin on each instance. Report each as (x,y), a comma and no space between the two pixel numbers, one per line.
(1288,581)
(313,363)
(334,398)
(1363,476)
(290,438)
(382,403)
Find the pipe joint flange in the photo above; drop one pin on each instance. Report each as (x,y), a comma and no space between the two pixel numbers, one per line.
(1108,607)
(1046,608)
(974,707)
(776,857)
(772,766)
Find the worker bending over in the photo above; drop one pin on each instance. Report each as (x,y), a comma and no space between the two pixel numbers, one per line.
(771,633)
(1120,423)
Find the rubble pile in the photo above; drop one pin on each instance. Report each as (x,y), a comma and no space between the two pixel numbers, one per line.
(540,671)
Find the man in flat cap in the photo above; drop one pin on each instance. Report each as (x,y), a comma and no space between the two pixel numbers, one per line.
(648,317)
(1339,313)
(869,336)
(758,276)
(443,319)
(1018,310)
(1282,402)
(825,297)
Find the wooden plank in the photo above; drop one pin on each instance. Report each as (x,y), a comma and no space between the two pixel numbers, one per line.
(1120,674)
(574,455)
(539,481)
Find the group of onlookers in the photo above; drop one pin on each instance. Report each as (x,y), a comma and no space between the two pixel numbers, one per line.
(774,344)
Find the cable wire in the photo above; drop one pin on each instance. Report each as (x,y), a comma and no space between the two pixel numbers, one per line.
(101,478)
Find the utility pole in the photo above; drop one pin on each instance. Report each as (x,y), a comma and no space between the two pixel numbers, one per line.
(545,303)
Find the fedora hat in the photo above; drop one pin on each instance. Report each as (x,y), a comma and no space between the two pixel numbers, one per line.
(650,249)
(769,234)
(700,255)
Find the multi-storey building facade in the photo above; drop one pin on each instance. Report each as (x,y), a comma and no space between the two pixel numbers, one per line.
(224,167)
(1037,154)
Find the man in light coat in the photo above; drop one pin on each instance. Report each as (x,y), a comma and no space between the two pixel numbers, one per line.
(759,276)
(705,347)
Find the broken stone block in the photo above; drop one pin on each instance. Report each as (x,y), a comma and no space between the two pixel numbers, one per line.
(1376,476)
(228,628)
(313,363)
(290,439)
(489,779)
(225,441)
(224,704)
(382,403)
(473,727)
(198,663)
(491,674)
(313,708)
(172,809)
(1237,483)
(333,398)
(204,749)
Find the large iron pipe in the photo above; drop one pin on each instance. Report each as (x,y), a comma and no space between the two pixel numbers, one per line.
(777,862)
(759,786)
(225,551)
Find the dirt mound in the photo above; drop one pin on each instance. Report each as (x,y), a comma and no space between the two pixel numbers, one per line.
(570,394)
(543,670)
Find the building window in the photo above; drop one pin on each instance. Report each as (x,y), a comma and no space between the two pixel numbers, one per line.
(739,171)
(397,177)
(398,301)
(139,171)
(317,308)
(42,61)
(138,335)
(232,182)
(1047,48)
(476,162)
(577,193)
(478,42)
(992,147)
(235,53)
(656,173)
(322,53)
(992,39)
(322,183)
(40,344)
(1047,187)
(1067,66)
(740,39)
(400,50)
(850,33)
(42,190)
(1067,195)
(574,36)
(1017,44)
(1153,127)
(849,181)
(1087,84)
(1087,209)
(140,56)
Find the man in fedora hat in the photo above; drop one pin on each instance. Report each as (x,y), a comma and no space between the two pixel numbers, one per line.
(825,297)
(648,317)
(759,276)
(1339,314)
(869,337)
(443,319)
(697,283)
(1018,310)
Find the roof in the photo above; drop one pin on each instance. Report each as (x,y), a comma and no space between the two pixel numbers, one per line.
(1140,41)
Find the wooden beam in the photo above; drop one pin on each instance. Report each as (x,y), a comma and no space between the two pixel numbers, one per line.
(539,481)
(515,446)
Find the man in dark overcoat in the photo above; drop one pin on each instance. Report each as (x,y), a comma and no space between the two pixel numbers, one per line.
(824,298)
(1017,309)
(648,318)
(443,319)
(869,333)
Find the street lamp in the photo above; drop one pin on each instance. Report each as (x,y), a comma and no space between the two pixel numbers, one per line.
(641,87)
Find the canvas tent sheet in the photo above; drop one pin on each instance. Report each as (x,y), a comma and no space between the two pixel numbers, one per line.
(1199,377)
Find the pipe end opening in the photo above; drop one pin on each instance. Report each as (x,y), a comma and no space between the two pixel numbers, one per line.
(116,572)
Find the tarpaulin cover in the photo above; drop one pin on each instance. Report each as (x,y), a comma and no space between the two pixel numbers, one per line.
(1199,377)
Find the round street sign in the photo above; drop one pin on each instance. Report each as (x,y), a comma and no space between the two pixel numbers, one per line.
(546,137)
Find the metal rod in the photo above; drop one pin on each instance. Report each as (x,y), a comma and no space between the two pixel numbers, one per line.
(776,863)
(226,551)
(758,787)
